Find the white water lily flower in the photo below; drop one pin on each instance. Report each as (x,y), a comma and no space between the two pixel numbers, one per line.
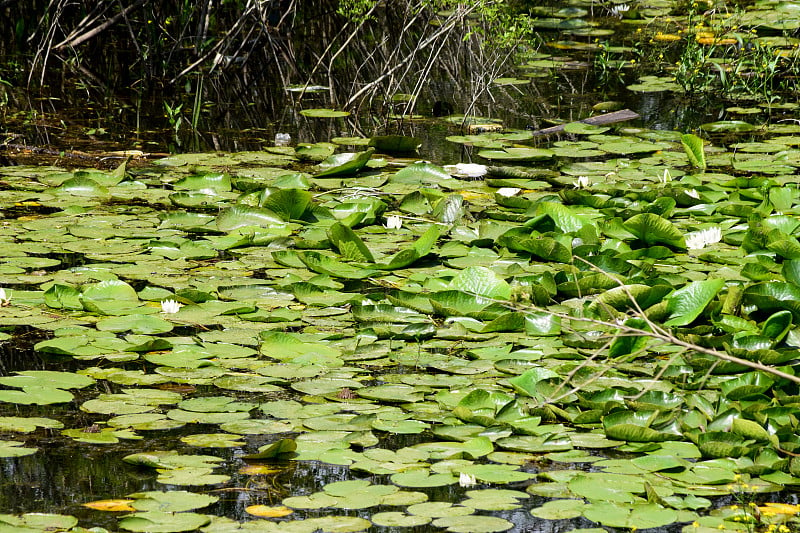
(5,298)
(698,240)
(582,182)
(393,222)
(666,177)
(619,9)
(466,480)
(170,307)
(508,192)
(468,170)
(693,193)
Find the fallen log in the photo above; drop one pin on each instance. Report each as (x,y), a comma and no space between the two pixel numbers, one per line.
(599,120)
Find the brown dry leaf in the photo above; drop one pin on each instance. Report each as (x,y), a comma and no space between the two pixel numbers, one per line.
(111,505)
(265,511)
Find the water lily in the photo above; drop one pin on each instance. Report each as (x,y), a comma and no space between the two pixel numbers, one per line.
(170,307)
(393,222)
(466,480)
(698,240)
(619,10)
(666,177)
(508,191)
(582,182)
(5,298)
(692,193)
(467,170)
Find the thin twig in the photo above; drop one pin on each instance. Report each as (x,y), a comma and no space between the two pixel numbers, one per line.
(75,41)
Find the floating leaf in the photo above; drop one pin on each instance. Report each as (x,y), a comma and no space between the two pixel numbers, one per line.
(163,522)
(686,304)
(12,448)
(639,516)
(517,154)
(473,524)
(173,501)
(736,126)
(110,505)
(324,113)
(266,511)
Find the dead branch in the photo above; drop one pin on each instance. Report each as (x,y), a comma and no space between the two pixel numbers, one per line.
(75,41)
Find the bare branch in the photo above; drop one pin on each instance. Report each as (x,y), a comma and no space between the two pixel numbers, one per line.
(75,41)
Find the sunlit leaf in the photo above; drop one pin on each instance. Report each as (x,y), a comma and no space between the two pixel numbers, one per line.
(266,511)
(110,505)
(687,303)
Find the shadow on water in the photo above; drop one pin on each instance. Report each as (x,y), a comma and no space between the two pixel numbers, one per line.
(17,354)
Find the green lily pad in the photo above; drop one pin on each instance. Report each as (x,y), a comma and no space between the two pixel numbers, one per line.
(13,448)
(163,522)
(473,524)
(517,154)
(734,126)
(324,113)
(173,501)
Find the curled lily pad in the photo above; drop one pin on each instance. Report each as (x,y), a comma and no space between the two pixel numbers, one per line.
(243,216)
(654,229)
(344,164)
(635,426)
(686,304)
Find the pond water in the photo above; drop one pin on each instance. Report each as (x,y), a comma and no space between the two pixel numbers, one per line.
(369,342)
